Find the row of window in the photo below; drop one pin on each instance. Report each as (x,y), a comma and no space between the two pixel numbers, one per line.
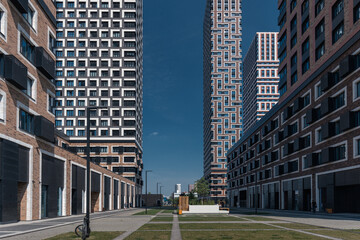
(94,34)
(126,5)
(103,113)
(95,73)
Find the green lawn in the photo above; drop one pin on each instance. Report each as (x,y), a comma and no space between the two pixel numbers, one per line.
(93,236)
(138,235)
(162,219)
(260,219)
(169,211)
(156,227)
(239,226)
(149,212)
(342,234)
(297,226)
(245,235)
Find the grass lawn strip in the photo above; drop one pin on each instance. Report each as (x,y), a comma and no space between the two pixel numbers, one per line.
(224,226)
(156,227)
(243,235)
(149,212)
(162,219)
(343,234)
(297,226)
(149,235)
(93,236)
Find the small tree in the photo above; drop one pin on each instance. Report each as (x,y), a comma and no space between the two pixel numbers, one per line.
(202,188)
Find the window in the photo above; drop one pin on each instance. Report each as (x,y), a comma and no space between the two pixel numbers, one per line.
(29,16)
(293,5)
(2,106)
(293,41)
(305,25)
(293,23)
(337,8)
(52,43)
(357,13)
(339,101)
(26,49)
(357,145)
(320,28)
(294,78)
(294,60)
(29,87)
(305,6)
(26,121)
(357,89)
(320,51)
(305,66)
(70,133)
(339,152)
(319,7)
(338,32)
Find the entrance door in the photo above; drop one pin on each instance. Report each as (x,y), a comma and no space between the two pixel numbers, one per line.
(307,200)
(73,202)
(44,201)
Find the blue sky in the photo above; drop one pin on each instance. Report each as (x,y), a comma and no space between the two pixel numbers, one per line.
(173,85)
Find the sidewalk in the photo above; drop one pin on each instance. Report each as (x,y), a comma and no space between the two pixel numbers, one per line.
(40,229)
(336,221)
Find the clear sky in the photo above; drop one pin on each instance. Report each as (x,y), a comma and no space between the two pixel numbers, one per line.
(173,85)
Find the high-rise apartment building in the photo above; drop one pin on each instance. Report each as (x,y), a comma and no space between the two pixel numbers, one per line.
(40,178)
(260,77)
(304,153)
(222,120)
(99,64)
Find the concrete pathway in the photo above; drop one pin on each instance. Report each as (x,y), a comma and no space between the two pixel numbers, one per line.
(42,229)
(134,224)
(175,232)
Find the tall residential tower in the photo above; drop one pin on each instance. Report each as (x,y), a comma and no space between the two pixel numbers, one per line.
(260,77)
(222,88)
(99,64)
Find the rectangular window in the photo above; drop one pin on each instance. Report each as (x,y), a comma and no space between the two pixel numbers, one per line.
(339,152)
(305,25)
(305,66)
(29,16)
(337,8)
(357,89)
(26,49)
(26,121)
(338,32)
(339,101)
(29,87)
(2,107)
(320,51)
(356,13)
(320,28)
(319,7)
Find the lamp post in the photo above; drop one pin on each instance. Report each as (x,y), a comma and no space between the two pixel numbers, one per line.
(161,199)
(146,192)
(86,228)
(157,187)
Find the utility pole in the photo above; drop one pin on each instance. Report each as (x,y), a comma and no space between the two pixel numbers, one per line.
(86,227)
(157,187)
(161,198)
(146,192)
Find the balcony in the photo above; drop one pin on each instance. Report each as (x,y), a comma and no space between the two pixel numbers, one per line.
(44,62)
(15,72)
(347,65)
(21,5)
(44,129)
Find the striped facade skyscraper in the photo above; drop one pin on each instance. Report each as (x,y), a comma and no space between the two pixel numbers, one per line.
(222,120)
(261,77)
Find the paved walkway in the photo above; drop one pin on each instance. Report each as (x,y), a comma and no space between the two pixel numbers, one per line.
(41,229)
(136,225)
(175,232)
